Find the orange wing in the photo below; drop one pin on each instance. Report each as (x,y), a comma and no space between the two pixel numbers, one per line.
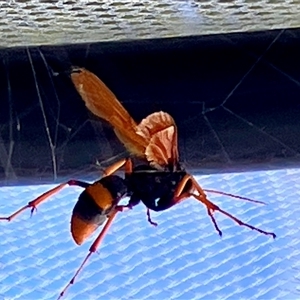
(161,133)
(154,138)
(100,100)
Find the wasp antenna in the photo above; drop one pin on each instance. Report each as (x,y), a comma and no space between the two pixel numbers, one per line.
(234,196)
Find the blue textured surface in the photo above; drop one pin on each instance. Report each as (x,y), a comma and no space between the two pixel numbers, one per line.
(183,258)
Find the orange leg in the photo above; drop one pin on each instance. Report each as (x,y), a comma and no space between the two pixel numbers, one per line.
(34,203)
(234,196)
(211,207)
(95,245)
(118,165)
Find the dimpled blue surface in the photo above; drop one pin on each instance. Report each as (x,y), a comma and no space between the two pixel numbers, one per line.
(182,258)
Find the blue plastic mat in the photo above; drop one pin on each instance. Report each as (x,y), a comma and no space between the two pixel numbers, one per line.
(182,258)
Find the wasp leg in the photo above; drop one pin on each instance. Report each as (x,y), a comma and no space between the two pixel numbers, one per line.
(118,165)
(149,218)
(233,196)
(134,200)
(34,203)
(95,245)
(211,207)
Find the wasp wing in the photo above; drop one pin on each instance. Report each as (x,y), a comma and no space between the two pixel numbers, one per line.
(160,130)
(101,101)
(154,138)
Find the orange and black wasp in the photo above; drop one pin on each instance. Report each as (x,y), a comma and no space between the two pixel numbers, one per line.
(156,139)
(159,184)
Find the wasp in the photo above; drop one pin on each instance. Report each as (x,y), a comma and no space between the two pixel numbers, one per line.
(154,138)
(159,184)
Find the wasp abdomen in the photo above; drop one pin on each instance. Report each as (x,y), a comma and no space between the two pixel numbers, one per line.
(94,206)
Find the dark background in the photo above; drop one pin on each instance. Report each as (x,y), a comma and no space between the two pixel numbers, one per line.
(235,98)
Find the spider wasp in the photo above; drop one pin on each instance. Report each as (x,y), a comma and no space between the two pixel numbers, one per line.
(155,139)
(160,183)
